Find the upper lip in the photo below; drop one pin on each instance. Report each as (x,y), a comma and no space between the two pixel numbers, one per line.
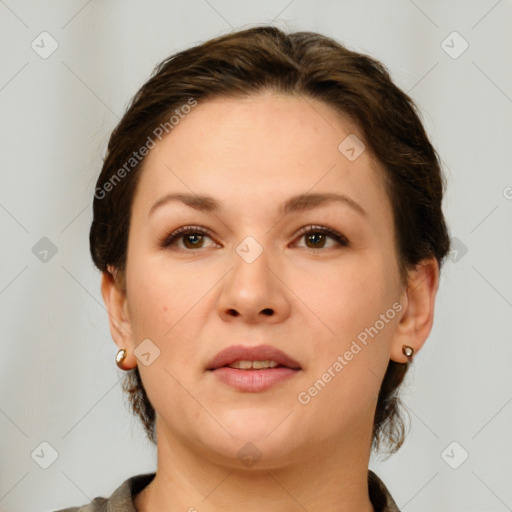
(243,353)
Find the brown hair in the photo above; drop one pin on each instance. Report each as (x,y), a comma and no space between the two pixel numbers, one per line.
(306,63)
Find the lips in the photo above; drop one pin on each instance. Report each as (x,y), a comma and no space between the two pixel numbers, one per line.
(259,353)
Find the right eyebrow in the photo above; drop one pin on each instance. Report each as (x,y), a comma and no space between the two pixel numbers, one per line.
(198,202)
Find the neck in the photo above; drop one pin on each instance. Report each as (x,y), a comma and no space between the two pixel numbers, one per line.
(330,477)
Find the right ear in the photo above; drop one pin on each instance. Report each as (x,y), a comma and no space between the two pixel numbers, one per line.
(114,296)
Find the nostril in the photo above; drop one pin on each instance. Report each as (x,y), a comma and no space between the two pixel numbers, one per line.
(268,311)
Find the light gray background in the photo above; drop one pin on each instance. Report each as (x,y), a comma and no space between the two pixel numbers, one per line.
(59,383)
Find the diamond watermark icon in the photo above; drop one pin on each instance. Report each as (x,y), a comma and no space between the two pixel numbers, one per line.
(454,45)
(44,455)
(454,455)
(249,454)
(44,250)
(249,249)
(146,352)
(44,45)
(458,249)
(351,147)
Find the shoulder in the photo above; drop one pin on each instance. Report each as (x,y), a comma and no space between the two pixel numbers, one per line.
(121,498)
(96,505)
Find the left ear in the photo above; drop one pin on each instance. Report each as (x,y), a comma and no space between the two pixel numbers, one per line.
(418,301)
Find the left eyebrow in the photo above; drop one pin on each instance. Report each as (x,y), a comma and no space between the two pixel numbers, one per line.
(301,202)
(305,202)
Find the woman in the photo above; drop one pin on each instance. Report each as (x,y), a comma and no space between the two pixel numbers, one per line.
(269,229)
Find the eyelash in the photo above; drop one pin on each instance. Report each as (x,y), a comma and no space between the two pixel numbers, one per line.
(181,232)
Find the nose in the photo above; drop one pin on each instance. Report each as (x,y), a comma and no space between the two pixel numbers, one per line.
(254,292)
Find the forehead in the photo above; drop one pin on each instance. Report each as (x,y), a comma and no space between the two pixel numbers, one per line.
(265,146)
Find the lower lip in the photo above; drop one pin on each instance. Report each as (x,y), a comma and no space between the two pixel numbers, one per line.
(253,381)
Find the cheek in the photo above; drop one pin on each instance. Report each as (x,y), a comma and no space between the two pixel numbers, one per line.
(348,296)
(350,337)
(168,305)
(157,299)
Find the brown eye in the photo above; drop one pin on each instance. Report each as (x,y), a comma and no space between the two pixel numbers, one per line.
(316,237)
(317,240)
(193,237)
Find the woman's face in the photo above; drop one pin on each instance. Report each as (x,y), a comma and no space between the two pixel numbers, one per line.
(249,277)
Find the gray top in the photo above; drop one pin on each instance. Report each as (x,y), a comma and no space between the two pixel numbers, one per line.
(122,498)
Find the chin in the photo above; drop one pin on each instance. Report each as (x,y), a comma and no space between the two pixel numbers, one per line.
(256,422)
(250,434)
(269,452)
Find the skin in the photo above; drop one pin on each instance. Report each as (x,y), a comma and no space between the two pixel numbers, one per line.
(252,154)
